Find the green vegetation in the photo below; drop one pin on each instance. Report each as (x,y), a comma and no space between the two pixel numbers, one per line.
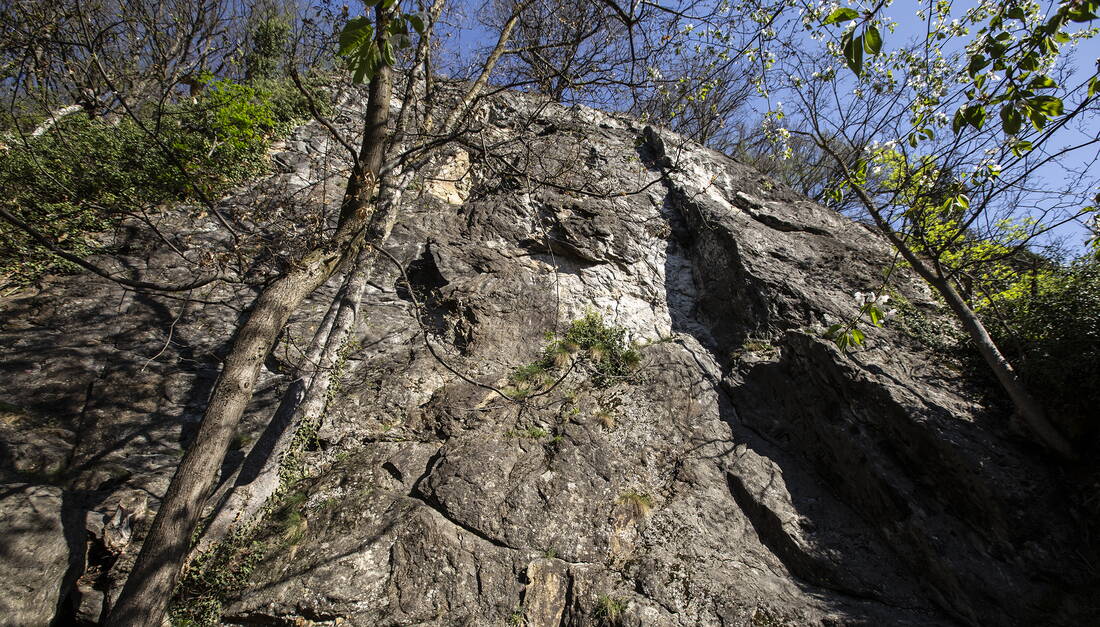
(86,174)
(638,503)
(609,609)
(590,345)
(1052,333)
(214,577)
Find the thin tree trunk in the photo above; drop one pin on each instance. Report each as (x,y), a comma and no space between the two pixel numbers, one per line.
(149,587)
(228,501)
(301,403)
(1026,405)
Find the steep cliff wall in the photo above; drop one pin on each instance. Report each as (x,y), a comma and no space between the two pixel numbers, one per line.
(744,473)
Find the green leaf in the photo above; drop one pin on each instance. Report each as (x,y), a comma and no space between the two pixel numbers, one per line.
(1081,11)
(1021,147)
(1043,82)
(832,331)
(388,57)
(842,341)
(842,14)
(1016,13)
(1049,105)
(872,41)
(1011,119)
(416,22)
(857,336)
(357,32)
(959,122)
(974,116)
(1038,119)
(977,62)
(360,72)
(1094,86)
(366,64)
(853,52)
(876,316)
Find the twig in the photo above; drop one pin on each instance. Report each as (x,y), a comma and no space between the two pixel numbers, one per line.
(171,330)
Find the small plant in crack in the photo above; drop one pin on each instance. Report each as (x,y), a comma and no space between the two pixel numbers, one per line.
(638,503)
(605,416)
(517,617)
(589,345)
(609,609)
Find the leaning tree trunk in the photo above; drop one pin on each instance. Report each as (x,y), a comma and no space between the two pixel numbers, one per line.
(149,587)
(302,403)
(1026,405)
(305,399)
(230,500)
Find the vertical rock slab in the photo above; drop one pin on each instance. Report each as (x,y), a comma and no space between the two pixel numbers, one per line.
(36,553)
(544,597)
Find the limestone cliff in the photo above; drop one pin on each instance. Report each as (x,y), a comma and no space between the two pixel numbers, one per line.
(746,472)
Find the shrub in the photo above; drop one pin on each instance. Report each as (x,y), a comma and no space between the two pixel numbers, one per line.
(85,174)
(594,347)
(609,356)
(1052,336)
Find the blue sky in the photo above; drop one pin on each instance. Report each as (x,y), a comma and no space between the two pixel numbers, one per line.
(465,36)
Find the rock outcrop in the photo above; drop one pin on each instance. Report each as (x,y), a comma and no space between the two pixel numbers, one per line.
(746,472)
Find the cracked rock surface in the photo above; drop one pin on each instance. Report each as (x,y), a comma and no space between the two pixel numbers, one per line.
(746,473)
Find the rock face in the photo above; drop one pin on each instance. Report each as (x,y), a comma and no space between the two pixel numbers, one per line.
(745,472)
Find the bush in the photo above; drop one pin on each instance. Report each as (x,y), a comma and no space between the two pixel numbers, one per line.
(593,346)
(1052,336)
(85,174)
(603,348)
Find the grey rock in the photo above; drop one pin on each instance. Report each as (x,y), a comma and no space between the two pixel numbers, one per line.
(39,550)
(747,473)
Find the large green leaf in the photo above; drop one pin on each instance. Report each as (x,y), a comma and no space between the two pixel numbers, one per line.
(1011,119)
(1048,105)
(356,34)
(842,14)
(853,52)
(872,40)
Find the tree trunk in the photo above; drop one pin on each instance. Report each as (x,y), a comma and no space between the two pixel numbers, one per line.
(302,402)
(229,501)
(150,585)
(1026,405)
(1029,409)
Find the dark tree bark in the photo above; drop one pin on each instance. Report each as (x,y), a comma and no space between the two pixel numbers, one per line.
(149,587)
